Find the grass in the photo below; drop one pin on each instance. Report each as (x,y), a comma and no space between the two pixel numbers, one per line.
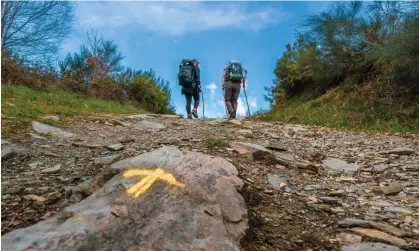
(348,108)
(22,105)
(213,143)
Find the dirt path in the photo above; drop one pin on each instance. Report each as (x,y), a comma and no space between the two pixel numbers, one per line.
(385,187)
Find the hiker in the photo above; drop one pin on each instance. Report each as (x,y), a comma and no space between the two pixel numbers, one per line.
(189,79)
(233,75)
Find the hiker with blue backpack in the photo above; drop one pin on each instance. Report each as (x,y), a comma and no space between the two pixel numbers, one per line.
(234,75)
(190,80)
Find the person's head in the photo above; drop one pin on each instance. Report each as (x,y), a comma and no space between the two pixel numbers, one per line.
(195,62)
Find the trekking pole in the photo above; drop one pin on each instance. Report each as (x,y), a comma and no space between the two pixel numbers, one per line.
(245,95)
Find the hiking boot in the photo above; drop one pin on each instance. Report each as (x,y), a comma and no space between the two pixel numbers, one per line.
(195,113)
(232,115)
(189,116)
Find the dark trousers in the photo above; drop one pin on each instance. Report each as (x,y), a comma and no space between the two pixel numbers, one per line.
(231,95)
(189,96)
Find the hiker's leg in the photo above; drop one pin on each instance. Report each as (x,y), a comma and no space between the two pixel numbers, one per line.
(196,103)
(196,98)
(228,93)
(188,104)
(235,97)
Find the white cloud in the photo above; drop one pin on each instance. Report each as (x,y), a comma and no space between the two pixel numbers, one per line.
(252,101)
(212,88)
(175,18)
(241,109)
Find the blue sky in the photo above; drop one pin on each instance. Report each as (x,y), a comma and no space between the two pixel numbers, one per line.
(159,34)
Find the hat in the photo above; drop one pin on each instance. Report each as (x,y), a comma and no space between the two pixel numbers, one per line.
(195,60)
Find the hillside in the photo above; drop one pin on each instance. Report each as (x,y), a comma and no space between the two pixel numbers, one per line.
(21,105)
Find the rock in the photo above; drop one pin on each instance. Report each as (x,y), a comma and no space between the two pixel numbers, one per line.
(416,205)
(15,190)
(392,190)
(402,151)
(389,229)
(353,223)
(34,165)
(36,136)
(9,150)
(51,154)
(92,129)
(313,187)
(47,129)
(348,238)
(329,200)
(276,148)
(380,168)
(375,234)
(170,116)
(5,142)
(380,203)
(144,124)
(398,210)
(276,182)
(370,246)
(340,165)
(106,160)
(127,140)
(285,159)
(337,193)
(245,132)
(257,152)
(51,170)
(86,145)
(140,116)
(38,199)
(205,214)
(337,210)
(119,122)
(115,147)
(235,122)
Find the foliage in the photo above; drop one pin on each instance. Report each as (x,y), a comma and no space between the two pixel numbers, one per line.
(352,39)
(35,30)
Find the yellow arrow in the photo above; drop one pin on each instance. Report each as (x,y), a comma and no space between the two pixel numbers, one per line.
(151,176)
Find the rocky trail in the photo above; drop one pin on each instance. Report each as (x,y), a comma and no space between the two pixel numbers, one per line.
(217,185)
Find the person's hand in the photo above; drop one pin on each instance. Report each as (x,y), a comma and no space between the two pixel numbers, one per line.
(244,86)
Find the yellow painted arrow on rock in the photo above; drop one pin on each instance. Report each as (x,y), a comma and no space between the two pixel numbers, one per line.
(151,175)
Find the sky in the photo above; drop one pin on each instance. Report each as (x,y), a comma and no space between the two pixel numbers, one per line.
(159,35)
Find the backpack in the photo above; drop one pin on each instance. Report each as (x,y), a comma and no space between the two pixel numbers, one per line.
(186,72)
(234,72)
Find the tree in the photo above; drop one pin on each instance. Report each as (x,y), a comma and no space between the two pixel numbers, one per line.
(35,29)
(96,59)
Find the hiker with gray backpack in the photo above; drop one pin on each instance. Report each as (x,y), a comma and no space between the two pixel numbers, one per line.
(190,80)
(234,75)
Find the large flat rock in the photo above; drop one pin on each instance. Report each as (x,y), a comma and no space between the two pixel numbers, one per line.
(192,205)
(145,124)
(47,129)
(340,165)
